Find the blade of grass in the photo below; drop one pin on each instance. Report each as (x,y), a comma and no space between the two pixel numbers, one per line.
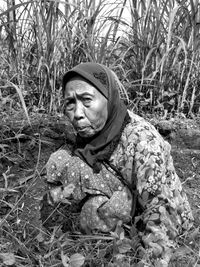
(19,92)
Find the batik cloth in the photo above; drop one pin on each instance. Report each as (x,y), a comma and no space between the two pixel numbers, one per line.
(141,150)
(110,200)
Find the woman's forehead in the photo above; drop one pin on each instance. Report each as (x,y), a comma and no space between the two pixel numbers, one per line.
(80,86)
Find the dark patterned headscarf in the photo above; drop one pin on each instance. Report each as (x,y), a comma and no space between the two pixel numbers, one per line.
(99,148)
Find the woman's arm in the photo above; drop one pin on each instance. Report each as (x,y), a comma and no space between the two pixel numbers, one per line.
(166,209)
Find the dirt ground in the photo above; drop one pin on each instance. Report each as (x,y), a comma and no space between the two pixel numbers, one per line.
(24,151)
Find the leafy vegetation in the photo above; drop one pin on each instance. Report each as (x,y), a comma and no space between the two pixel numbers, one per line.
(153,46)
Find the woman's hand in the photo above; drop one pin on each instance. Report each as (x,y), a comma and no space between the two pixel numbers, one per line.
(59,194)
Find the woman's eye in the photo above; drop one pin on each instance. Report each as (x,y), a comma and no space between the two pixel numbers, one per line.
(69,105)
(87,101)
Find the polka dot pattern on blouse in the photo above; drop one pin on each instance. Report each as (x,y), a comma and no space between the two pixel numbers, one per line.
(109,202)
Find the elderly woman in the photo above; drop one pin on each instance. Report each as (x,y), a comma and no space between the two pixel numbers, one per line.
(119,164)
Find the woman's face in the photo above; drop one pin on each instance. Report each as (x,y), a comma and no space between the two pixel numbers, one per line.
(85,107)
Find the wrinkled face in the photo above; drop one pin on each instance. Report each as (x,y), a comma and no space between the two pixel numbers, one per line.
(85,107)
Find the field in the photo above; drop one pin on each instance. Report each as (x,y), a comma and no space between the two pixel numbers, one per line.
(153,46)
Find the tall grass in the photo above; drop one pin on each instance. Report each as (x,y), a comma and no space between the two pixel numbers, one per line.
(152,45)
(163,59)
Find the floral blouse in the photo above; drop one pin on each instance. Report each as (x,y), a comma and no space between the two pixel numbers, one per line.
(143,155)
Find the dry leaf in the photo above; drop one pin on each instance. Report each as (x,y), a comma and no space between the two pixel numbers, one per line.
(77,260)
(194,235)
(124,246)
(40,237)
(65,259)
(8,258)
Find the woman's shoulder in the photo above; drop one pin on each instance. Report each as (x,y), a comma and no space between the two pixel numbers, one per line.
(136,118)
(137,122)
(139,129)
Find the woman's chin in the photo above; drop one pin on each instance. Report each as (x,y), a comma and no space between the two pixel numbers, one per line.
(89,131)
(85,133)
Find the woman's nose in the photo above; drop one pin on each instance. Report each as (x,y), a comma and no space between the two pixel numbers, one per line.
(78,112)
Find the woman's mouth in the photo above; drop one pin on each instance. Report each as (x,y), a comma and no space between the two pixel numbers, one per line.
(82,129)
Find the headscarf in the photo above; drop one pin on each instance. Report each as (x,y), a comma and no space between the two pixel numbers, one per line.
(100,147)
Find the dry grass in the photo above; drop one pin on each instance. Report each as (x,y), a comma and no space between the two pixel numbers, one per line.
(31,246)
(155,54)
(59,242)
